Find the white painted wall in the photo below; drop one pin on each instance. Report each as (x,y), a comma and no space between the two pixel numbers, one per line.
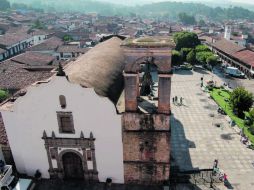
(36,111)
(38,39)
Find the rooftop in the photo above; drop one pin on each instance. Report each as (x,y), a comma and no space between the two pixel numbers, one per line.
(49,44)
(227,46)
(15,76)
(152,42)
(245,56)
(13,38)
(34,59)
(100,68)
(71,49)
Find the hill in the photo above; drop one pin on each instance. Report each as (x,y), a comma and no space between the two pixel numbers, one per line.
(160,9)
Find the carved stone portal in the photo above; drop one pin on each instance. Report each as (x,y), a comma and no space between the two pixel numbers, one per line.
(71,158)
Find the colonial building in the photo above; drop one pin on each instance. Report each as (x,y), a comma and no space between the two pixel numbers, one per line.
(107,118)
(12,44)
(145,121)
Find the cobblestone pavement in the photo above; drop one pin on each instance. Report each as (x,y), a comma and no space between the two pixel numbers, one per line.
(197,142)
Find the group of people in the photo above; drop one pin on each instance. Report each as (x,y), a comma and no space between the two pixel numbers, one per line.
(175,101)
(216,171)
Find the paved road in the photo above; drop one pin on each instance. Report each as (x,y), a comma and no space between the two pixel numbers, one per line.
(235,82)
(196,142)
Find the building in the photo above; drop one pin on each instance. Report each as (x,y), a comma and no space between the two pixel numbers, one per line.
(85,149)
(24,70)
(13,44)
(67,52)
(95,123)
(49,46)
(234,55)
(145,121)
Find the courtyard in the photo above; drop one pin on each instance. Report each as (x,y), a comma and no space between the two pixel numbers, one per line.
(196,140)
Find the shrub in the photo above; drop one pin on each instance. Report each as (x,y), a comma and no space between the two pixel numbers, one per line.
(3,95)
(241,100)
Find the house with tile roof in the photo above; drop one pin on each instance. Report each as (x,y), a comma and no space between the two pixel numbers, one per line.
(14,43)
(234,55)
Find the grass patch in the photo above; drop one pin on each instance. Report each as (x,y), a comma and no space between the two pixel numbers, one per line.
(3,95)
(221,97)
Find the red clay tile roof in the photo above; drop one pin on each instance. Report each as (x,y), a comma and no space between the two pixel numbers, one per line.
(34,59)
(3,135)
(50,44)
(13,38)
(14,76)
(245,56)
(71,49)
(227,47)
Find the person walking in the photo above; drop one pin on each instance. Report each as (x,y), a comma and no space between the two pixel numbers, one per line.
(181,101)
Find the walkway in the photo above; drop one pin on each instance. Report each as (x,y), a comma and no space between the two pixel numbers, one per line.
(197,142)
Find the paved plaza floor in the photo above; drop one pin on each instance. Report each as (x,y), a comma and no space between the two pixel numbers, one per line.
(197,142)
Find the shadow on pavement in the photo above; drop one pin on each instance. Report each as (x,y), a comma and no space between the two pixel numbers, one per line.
(81,185)
(183,72)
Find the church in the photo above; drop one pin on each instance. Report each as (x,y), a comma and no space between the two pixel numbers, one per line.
(105,117)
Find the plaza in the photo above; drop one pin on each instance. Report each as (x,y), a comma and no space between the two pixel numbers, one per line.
(196,141)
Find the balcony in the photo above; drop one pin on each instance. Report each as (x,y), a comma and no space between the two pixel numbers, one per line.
(6,176)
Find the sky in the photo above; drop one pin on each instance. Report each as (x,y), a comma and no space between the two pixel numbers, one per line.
(136,2)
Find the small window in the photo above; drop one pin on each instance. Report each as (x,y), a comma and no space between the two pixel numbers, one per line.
(65,122)
(89,155)
(62,101)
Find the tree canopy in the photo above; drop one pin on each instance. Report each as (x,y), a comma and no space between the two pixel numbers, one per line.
(200,48)
(176,58)
(186,19)
(4,5)
(212,60)
(186,40)
(191,57)
(38,25)
(185,52)
(241,100)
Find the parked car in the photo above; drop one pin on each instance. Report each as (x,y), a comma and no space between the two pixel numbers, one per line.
(234,72)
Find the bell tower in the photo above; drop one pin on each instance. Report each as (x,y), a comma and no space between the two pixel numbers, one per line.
(146,120)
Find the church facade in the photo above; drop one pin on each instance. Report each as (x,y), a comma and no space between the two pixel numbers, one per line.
(77,131)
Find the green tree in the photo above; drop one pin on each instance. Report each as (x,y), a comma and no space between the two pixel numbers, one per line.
(3,95)
(186,40)
(201,23)
(38,25)
(67,38)
(251,114)
(191,57)
(200,48)
(202,56)
(186,19)
(4,5)
(212,61)
(184,52)
(19,6)
(176,58)
(241,100)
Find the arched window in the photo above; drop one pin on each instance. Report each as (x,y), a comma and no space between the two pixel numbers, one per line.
(62,101)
